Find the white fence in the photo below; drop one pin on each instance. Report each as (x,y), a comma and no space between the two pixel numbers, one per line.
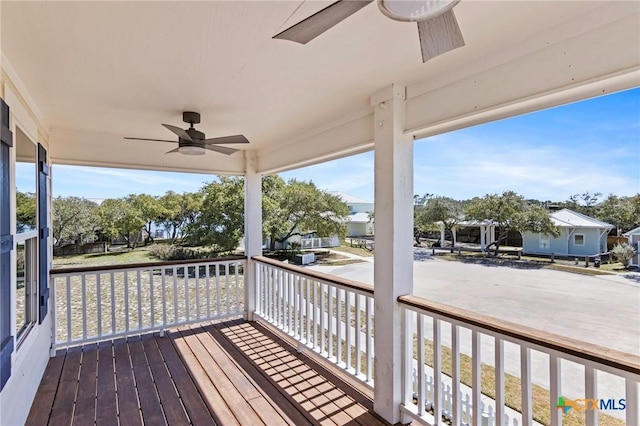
(488,417)
(314,243)
(331,316)
(425,325)
(97,303)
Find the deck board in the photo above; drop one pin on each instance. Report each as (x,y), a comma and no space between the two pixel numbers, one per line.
(85,409)
(150,406)
(43,402)
(171,404)
(106,404)
(62,410)
(127,395)
(231,373)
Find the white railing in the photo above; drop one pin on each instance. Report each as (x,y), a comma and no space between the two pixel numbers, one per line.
(97,303)
(435,332)
(330,315)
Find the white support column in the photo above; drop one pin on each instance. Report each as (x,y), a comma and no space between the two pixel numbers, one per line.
(442,235)
(393,266)
(252,229)
(483,237)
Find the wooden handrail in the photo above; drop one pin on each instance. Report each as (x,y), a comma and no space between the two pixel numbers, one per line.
(151,265)
(332,279)
(588,351)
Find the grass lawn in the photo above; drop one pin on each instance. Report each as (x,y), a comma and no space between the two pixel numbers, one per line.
(118,256)
(353,250)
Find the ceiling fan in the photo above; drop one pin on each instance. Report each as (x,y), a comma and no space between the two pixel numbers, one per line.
(193,142)
(438,29)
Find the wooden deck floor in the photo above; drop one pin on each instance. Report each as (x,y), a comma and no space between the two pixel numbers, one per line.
(231,373)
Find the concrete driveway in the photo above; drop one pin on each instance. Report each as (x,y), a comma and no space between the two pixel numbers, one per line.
(604,309)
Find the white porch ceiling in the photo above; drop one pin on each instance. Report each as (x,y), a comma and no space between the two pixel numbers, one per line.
(98,71)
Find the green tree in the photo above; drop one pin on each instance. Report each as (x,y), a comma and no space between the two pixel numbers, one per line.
(25,211)
(584,203)
(623,212)
(150,209)
(219,222)
(510,210)
(434,211)
(170,216)
(121,217)
(298,207)
(272,208)
(73,218)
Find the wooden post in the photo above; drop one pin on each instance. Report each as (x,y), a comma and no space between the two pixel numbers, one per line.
(393,266)
(586,261)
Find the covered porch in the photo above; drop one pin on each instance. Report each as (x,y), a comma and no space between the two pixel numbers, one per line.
(78,77)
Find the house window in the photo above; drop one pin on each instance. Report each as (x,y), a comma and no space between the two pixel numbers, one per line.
(26,282)
(578,240)
(545,241)
(26,235)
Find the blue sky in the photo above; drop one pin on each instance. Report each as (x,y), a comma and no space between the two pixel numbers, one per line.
(592,145)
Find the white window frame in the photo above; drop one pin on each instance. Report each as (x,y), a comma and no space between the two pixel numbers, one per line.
(575,243)
(30,240)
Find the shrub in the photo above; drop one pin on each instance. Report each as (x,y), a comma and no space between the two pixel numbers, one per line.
(170,252)
(623,253)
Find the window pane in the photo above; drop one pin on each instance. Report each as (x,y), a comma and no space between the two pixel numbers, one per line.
(579,239)
(25,183)
(20,287)
(26,291)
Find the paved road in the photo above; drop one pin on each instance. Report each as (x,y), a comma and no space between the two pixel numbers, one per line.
(603,310)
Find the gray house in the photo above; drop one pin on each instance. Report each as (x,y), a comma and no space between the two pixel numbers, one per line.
(580,236)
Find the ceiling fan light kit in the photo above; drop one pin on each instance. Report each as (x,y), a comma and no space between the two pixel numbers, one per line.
(415,10)
(191,150)
(438,28)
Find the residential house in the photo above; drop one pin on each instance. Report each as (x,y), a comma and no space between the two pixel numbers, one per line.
(78,77)
(580,235)
(634,241)
(360,221)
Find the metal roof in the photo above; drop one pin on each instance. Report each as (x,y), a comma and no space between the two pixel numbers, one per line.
(566,218)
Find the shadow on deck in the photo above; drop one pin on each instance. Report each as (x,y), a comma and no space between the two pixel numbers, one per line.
(230,373)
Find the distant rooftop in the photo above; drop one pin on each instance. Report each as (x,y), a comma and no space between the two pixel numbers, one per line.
(566,218)
(362,217)
(350,199)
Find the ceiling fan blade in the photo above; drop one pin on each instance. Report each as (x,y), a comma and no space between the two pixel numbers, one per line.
(178,131)
(154,140)
(172,151)
(221,149)
(226,140)
(311,27)
(439,35)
